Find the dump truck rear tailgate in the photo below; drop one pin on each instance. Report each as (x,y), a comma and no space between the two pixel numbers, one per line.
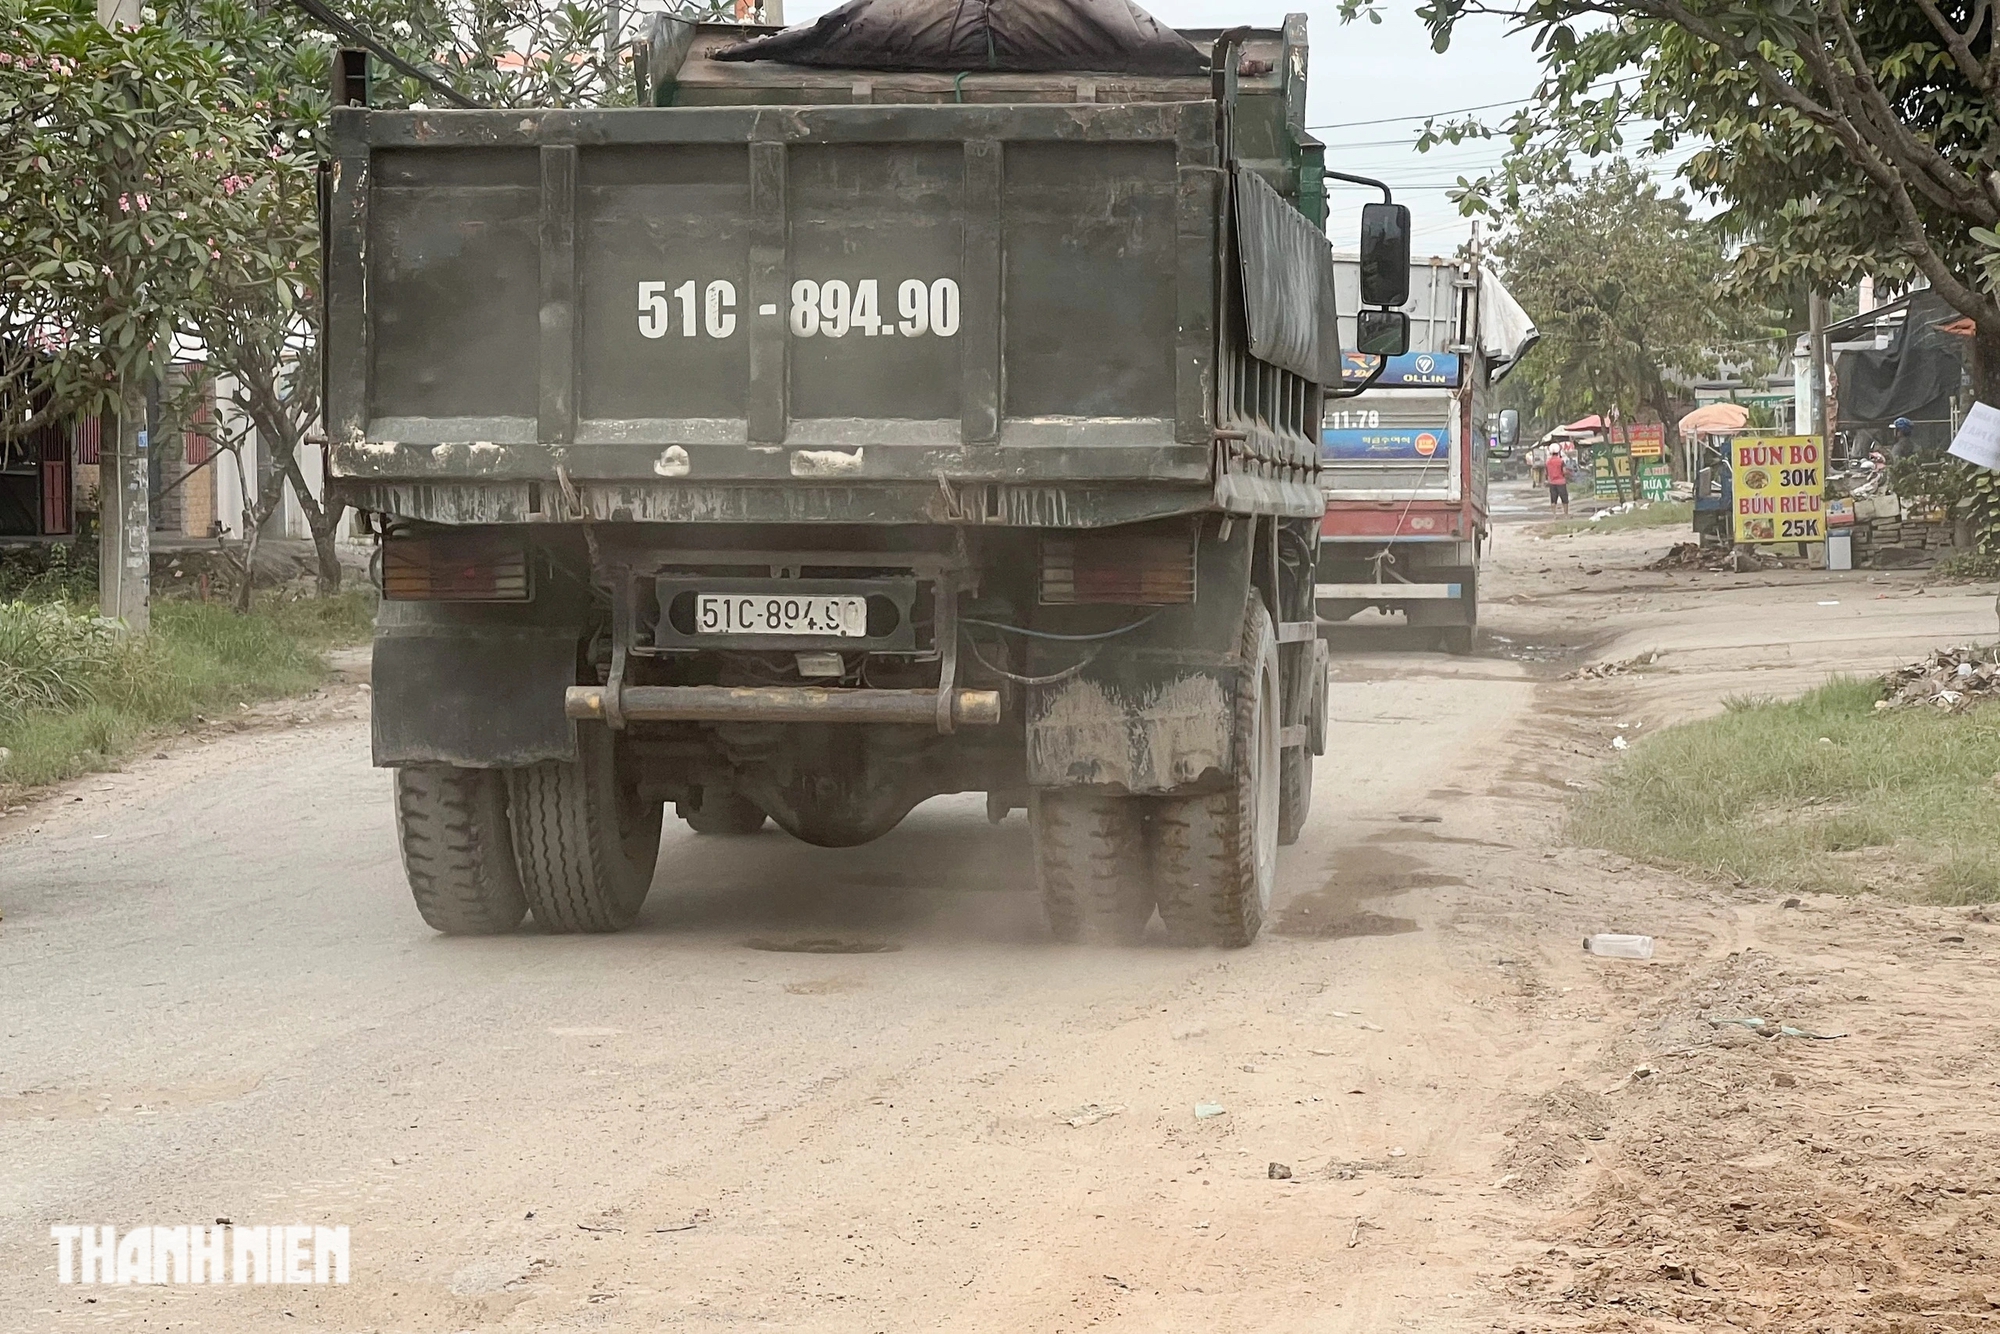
(769,293)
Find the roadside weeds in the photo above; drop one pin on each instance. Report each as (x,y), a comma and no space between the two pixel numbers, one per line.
(74,701)
(1822,793)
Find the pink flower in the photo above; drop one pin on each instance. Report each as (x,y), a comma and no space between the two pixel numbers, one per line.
(124,203)
(6,57)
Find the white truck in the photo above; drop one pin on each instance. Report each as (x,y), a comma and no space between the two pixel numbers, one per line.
(1404,462)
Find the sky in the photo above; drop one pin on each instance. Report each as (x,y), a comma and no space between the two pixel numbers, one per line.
(1387,72)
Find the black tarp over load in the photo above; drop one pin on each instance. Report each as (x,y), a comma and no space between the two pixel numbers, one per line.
(1023,36)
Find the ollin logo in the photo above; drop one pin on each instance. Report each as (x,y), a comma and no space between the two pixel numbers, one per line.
(291,1254)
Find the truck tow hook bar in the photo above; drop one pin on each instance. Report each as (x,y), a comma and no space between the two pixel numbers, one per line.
(782,704)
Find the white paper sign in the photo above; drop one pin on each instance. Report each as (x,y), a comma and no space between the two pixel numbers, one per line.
(1978,438)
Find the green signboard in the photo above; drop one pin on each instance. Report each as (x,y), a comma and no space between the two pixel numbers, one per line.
(1611,473)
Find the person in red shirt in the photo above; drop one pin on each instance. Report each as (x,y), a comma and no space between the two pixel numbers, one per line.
(1557,473)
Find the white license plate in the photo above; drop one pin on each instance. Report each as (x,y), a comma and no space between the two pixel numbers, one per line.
(843,615)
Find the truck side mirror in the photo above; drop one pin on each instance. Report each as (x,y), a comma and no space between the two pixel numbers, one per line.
(1385,254)
(1381,333)
(1510,427)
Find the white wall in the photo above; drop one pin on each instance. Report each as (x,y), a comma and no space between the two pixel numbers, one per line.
(231,487)
(289,520)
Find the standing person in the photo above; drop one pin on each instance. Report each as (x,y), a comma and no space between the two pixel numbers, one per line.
(1557,472)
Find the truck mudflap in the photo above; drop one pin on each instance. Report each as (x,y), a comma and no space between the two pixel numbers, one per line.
(1146,726)
(470,686)
(1141,732)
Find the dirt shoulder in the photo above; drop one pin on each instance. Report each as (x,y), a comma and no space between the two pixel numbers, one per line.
(1690,1173)
(189,748)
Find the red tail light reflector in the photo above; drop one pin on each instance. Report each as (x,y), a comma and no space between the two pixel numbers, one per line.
(456,567)
(1132,570)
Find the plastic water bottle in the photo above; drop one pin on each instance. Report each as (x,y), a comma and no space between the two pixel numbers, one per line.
(1619,947)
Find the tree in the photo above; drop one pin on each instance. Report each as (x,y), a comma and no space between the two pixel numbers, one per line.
(1838,139)
(114,152)
(258,329)
(1623,283)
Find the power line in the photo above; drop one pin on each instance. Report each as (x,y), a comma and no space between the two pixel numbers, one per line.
(1425,115)
(1661,166)
(1455,111)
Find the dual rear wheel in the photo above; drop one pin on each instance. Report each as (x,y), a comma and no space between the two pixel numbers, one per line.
(570,841)
(574,844)
(1207,862)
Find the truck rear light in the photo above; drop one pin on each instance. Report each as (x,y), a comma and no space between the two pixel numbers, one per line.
(456,567)
(1153,570)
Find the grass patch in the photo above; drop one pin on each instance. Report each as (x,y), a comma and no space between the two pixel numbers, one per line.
(1660,514)
(73,699)
(1821,793)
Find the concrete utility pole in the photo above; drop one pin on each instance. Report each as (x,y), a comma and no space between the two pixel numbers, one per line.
(124,472)
(1816,359)
(124,489)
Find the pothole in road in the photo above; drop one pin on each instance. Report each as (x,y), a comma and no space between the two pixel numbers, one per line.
(1421,835)
(823,945)
(1333,911)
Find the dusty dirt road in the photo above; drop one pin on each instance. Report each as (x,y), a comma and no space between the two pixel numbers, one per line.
(218,1003)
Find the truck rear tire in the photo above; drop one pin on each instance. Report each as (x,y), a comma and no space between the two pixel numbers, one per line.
(585,843)
(722,813)
(457,852)
(1090,860)
(1215,856)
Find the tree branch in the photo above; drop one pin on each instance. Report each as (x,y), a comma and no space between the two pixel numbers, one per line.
(1889,125)
(1911,229)
(1960,43)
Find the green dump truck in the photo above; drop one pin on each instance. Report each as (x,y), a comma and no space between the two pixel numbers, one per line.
(819,440)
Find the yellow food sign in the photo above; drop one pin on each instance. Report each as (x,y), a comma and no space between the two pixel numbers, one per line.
(1780,488)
